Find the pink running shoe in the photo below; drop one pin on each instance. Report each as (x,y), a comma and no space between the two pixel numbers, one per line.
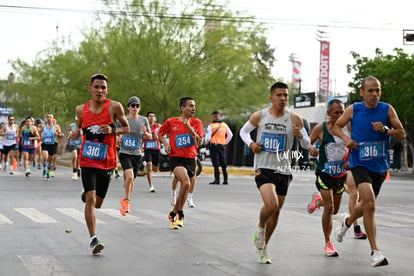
(312,206)
(330,250)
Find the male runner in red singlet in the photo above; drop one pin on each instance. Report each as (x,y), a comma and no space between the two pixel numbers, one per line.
(186,135)
(97,157)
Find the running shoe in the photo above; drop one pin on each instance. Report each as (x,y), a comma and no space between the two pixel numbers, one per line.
(313,206)
(190,203)
(173,224)
(358,234)
(11,172)
(152,189)
(48,176)
(342,227)
(173,199)
(330,250)
(38,167)
(96,246)
(74,176)
(259,239)
(44,173)
(180,220)
(264,257)
(377,259)
(52,174)
(5,167)
(125,203)
(27,173)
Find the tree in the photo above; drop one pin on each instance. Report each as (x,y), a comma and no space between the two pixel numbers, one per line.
(396,74)
(206,52)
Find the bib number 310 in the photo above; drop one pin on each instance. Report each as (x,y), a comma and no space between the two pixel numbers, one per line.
(95,150)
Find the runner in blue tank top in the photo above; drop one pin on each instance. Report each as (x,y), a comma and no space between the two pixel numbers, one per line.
(372,124)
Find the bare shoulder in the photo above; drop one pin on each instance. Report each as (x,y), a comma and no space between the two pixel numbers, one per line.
(255,118)
(297,119)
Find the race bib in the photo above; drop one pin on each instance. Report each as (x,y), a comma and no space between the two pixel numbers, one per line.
(151,144)
(130,142)
(371,150)
(76,142)
(10,137)
(335,168)
(48,140)
(184,140)
(95,150)
(273,142)
(27,143)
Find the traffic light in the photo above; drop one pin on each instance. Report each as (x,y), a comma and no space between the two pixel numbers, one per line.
(408,36)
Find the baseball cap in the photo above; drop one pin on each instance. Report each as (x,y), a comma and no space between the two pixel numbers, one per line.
(133,99)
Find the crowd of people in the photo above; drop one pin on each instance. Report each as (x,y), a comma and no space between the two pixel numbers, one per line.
(353,156)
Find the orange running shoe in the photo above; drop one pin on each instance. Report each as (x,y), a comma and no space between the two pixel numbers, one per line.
(125,206)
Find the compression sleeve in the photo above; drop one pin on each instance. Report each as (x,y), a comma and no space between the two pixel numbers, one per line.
(305,141)
(245,133)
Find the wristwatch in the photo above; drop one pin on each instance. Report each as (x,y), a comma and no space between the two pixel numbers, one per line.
(386,129)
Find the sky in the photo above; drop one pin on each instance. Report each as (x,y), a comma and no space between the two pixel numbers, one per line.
(353,25)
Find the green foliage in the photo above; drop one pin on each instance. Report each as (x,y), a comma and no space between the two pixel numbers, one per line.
(147,51)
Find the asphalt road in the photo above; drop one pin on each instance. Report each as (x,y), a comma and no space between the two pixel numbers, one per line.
(42,230)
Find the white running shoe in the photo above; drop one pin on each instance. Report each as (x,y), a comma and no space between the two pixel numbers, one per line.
(74,176)
(264,257)
(152,189)
(377,259)
(342,228)
(190,203)
(259,239)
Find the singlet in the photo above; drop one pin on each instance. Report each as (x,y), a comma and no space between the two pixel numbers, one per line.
(27,133)
(181,141)
(98,150)
(332,154)
(74,142)
(276,136)
(131,143)
(49,137)
(10,136)
(372,152)
(154,143)
(220,135)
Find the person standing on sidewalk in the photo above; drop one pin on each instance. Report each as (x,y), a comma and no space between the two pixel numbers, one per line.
(152,149)
(369,157)
(186,135)
(131,147)
(272,160)
(330,172)
(97,158)
(217,137)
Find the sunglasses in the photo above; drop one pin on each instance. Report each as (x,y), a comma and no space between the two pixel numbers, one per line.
(99,76)
(339,112)
(134,105)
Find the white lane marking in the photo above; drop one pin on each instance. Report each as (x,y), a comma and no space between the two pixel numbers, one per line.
(131,219)
(35,215)
(5,220)
(76,215)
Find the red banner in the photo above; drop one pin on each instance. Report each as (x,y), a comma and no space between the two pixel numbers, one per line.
(324,71)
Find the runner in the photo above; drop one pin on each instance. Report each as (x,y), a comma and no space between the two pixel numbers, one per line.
(51,133)
(97,158)
(185,135)
(152,149)
(130,152)
(74,149)
(9,132)
(28,135)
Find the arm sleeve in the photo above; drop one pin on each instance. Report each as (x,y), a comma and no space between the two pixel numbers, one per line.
(245,133)
(229,135)
(305,141)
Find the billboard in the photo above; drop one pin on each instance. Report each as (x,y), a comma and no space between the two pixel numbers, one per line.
(324,71)
(304,100)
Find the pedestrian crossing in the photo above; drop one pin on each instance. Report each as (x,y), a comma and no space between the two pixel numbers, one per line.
(104,216)
(389,219)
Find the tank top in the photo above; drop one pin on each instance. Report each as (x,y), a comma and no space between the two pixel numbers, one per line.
(332,154)
(131,143)
(49,137)
(27,133)
(98,150)
(153,144)
(372,152)
(276,136)
(74,142)
(10,136)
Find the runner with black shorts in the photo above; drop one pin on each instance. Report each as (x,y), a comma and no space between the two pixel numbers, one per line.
(97,158)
